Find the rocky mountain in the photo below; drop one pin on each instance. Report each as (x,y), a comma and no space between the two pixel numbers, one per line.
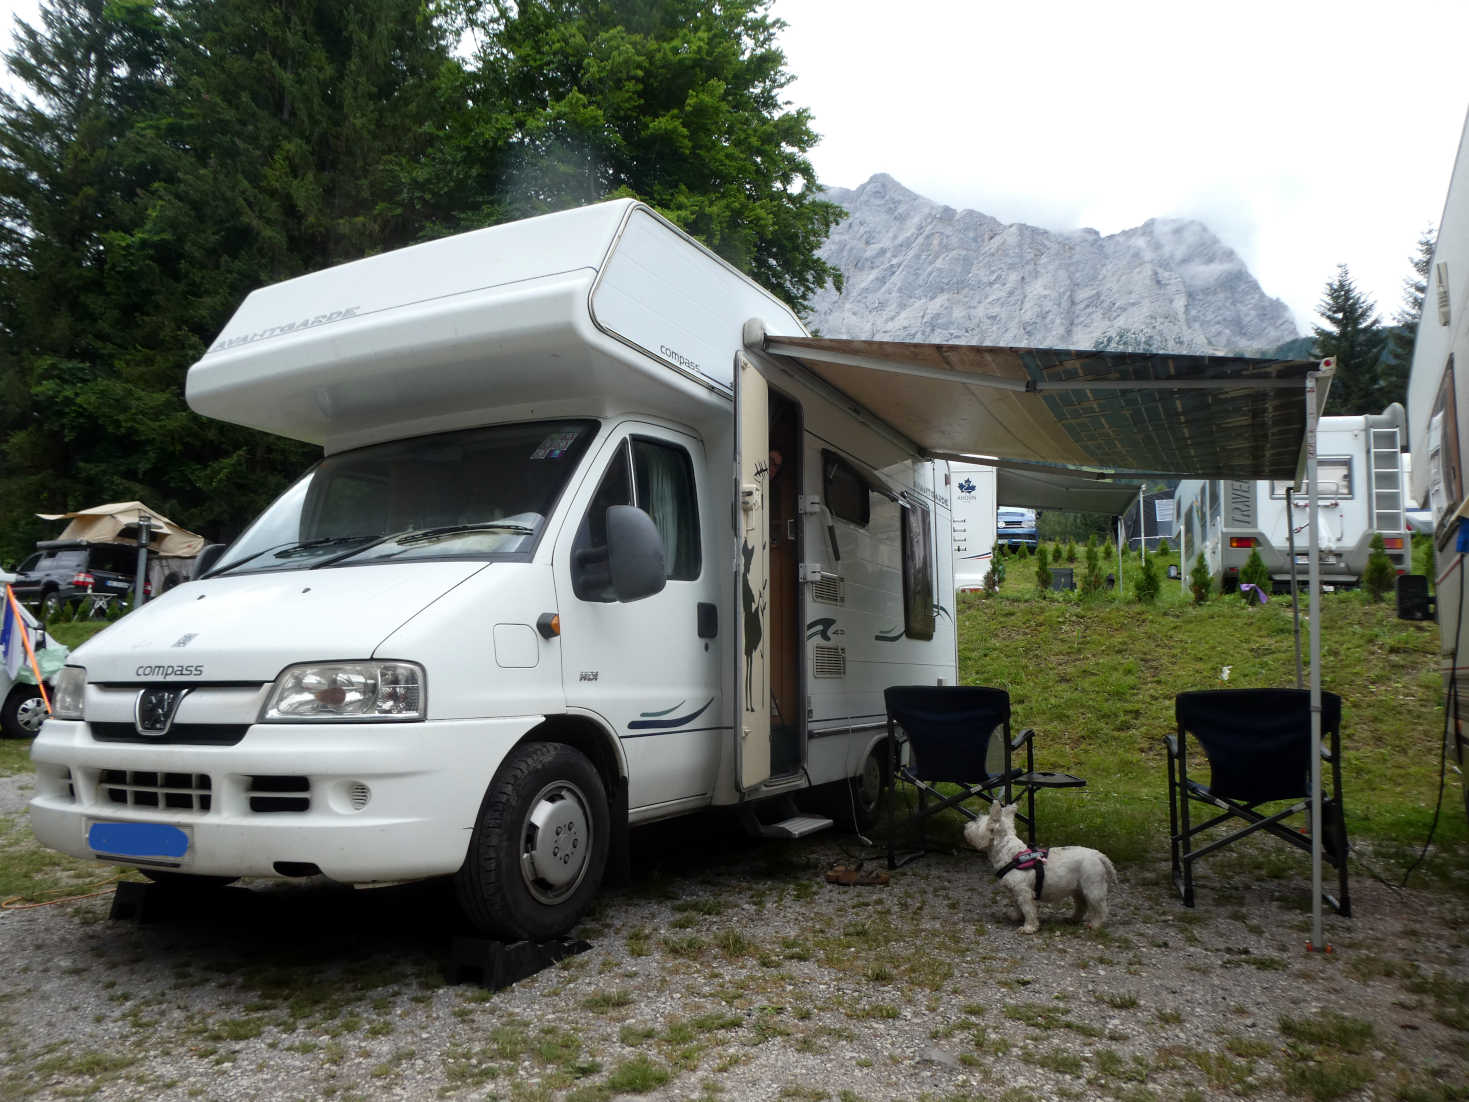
(919,271)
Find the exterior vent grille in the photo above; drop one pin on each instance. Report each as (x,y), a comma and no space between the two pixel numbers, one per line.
(831,591)
(358,794)
(828,661)
(269,795)
(168,791)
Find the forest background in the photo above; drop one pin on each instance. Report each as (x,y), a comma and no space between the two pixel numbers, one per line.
(162,158)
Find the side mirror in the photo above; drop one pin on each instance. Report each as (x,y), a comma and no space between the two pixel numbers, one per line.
(634,554)
(207,558)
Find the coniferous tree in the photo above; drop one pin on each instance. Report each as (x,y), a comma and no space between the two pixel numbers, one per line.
(1354,337)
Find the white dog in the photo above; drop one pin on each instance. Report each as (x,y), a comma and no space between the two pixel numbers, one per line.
(1075,871)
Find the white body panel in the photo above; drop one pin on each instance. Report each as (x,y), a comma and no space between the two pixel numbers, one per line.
(605,314)
(1366,498)
(1438,405)
(972,494)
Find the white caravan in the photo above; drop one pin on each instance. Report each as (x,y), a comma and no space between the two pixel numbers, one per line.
(1360,475)
(573,560)
(972,500)
(1437,413)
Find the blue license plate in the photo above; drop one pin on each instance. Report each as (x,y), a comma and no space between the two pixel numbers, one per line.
(138,840)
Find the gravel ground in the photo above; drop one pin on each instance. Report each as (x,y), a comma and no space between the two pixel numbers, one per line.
(733,970)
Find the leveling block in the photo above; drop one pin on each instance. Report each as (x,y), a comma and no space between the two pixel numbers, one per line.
(498,964)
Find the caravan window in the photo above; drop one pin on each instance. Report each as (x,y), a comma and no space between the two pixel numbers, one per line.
(918,610)
(665,491)
(845,489)
(1334,475)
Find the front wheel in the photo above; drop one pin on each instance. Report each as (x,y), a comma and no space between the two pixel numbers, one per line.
(22,712)
(539,846)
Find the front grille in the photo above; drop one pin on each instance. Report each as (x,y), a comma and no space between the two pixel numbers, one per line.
(170,791)
(280,794)
(180,734)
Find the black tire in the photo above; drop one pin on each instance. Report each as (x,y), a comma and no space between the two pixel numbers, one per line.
(183,882)
(539,846)
(52,605)
(22,712)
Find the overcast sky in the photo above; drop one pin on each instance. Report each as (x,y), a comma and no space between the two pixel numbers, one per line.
(1304,133)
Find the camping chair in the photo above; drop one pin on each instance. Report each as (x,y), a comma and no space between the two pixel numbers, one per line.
(1258,742)
(947,730)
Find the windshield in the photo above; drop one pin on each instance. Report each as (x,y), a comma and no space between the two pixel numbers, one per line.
(478,494)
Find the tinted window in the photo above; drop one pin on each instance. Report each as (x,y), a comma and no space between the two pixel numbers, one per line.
(665,491)
(918,612)
(845,489)
(63,560)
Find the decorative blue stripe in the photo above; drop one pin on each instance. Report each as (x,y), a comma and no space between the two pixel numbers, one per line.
(655,715)
(666,724)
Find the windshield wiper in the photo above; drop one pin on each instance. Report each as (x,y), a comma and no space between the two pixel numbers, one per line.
(289,550)
(423,535)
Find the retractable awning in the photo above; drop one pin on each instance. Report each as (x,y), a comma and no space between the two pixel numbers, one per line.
(1068,491)
(1138,413)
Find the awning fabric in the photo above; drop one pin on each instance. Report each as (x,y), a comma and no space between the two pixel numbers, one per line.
(1227,417)
(1036,488)
(105,524)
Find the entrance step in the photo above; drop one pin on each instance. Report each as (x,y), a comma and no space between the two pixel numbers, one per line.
(797,826)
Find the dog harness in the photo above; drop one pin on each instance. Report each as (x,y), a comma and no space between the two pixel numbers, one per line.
(1027,860)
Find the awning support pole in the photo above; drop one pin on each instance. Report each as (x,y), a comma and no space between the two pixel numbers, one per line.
(1314,581)
(1295,597)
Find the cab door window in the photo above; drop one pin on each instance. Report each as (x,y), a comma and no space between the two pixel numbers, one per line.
(665,491)
(615,489)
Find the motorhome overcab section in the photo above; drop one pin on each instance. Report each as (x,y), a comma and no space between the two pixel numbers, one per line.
(1360,492)
(550,580)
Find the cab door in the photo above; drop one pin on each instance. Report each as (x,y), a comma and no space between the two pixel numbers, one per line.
(752,575)
(649,667)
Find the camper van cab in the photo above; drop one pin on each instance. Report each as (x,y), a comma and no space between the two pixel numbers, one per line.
(574,559)
(1359,492)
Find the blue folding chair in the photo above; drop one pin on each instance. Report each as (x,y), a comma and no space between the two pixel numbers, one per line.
(1258,744)
(942,734)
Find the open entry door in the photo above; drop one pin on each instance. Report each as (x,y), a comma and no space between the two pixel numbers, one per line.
(752,574)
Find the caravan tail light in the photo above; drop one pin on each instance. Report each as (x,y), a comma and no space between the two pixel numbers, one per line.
(1392,543)
(1241,541)
(83,579)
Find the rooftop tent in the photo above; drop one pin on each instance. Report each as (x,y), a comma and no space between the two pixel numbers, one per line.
(118,522)
(1121,413)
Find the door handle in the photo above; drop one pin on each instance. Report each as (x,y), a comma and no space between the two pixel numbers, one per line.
(708,620)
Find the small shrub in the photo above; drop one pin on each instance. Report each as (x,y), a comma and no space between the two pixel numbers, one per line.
(1147,585)
(1163,548)
(1378,578)
(1092,579)
(1200,581)
(994,577)
(1256,573)
(1071,551)
(1042,571)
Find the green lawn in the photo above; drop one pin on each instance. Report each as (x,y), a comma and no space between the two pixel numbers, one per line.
(1097,678)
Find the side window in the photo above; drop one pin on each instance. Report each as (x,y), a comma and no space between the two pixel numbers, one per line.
(918,611)
(845,490)
(114,560)
(665,491)
(615,489)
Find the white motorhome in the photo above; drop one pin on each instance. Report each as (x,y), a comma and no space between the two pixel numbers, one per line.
(1437,395)
(573,560)
(972,504)
(1360,476)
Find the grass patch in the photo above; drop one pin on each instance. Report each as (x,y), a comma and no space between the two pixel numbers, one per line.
(1330,1029)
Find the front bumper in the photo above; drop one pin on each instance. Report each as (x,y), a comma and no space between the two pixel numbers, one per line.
(360,802)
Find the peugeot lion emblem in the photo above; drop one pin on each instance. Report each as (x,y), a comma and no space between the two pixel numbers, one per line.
(154,711)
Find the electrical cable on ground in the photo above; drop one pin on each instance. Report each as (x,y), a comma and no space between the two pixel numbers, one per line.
(21,903)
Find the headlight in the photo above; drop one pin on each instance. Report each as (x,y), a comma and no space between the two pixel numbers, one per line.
(69,693)
(346,690)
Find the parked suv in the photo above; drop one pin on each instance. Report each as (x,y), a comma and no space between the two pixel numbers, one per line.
(62,572)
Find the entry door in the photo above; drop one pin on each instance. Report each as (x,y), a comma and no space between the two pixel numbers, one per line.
(650,667)
(752,575)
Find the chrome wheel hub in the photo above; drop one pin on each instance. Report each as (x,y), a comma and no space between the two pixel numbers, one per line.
(556,842)
(31,714)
